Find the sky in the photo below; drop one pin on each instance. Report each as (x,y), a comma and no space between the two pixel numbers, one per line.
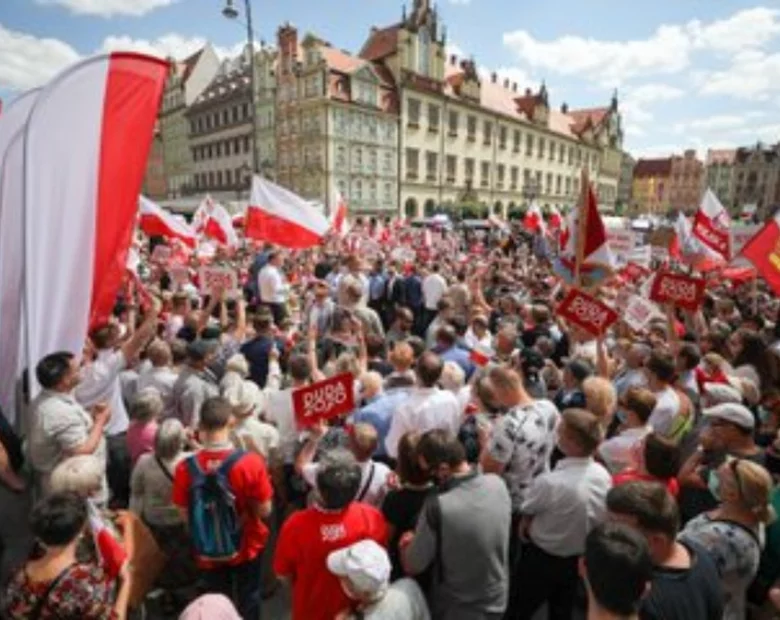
(689,73)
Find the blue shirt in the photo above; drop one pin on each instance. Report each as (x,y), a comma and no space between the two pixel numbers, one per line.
(257,353)
(376,286)
(461,357)
(413,292)
(379,412)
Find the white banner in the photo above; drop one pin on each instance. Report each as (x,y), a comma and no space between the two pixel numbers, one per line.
(639,312)
(621,242)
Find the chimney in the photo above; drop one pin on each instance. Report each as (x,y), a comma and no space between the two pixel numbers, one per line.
(514,87)
(506,83)
(453,60)
(527,92)
(494,77)
(565,107)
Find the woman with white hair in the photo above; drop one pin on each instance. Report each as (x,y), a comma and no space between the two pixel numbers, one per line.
(248,432)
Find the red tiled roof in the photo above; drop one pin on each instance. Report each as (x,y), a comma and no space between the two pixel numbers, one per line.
(339,61)
(581,118)
(381,44)
(526,105)
(653,167)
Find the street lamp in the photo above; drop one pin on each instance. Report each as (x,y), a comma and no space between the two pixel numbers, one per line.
(230,12)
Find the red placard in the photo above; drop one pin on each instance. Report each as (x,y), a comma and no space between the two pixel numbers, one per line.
(678,290)
(587,312)
(324,400)
(632,271)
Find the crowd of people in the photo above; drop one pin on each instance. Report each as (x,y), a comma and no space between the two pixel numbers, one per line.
(498,460)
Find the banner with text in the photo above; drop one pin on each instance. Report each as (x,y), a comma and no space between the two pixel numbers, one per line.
(213,279)
(678,290)
(324,400)
(587,312)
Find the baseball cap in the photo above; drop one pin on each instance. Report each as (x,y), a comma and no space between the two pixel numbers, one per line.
(365,564)
(721,393)
(737,414)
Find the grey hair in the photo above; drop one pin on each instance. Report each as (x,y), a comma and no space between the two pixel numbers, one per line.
(452,377)
(81,474)
(170,439)
(147,405)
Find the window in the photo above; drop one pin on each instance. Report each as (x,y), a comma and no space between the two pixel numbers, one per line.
(388,193)
(529,145)
(358,157)
(430,166)
(218,148)
(245,110)
(500,175)
(571,155)
(548,184)
(424,52)
(211,179)
(452,164)
(468,168)
(568,185)
(485,180)
(579,156)
(502,138)
(526,177)
(540,153)
(413,111)
(358,193)
(538,175)
(227,148)
(235,117)
(453,122)
(561,152)
(433,118)
(552,151)
(514,174)
(372,160)
(516,141)
(246,144)
(558,182)
(219,178)
(487,133)
(387,166)
(471,128)
(193,127)
(372,191)
(228,176)
(412,163)
(225,117)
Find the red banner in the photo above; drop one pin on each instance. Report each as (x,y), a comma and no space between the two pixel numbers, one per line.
(678,290)
(324,400)
(587,312)
(711,236)
(632,271)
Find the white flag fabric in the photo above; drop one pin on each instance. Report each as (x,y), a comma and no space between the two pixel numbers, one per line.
(279,216)
(712,225)
(86,146)
(12,124)
(219,226)
(157,222)
(338,221)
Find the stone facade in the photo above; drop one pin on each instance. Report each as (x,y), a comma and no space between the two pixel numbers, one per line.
(625,183)
(687,182)
(720,175)
(757,179)
(650,191)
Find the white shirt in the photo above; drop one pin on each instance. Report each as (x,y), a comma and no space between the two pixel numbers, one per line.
(100,384)
(270,283)
(667,407)
(473,342)
(426,409)
(373,488)
(280,412)
(404,600)
(433,287)
(617,453)
(566,504)
(161,379)
(174,324)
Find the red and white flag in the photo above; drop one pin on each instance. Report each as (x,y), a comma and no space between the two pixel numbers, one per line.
(712,225)
(338,218)
(157,222)
(556,219)
(763,250)
(276,215)
(201,215)
(86,147)
(534,221)
(12,358)
(687,248)
(219,226)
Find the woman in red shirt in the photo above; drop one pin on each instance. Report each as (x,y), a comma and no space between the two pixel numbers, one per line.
(658,460)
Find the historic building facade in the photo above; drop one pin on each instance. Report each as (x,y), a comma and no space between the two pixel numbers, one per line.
(155,185)
(186,81)
(719,167)
(650,191)
(465,138)
(686,183)
(624,200)
(757,179)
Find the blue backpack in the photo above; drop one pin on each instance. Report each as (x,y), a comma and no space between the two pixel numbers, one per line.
(215,526)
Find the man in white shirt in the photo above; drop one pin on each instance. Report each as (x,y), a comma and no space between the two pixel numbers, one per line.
(272,287)
(634,411)
(660,375)
(100,384)
(160,375)
(427,407)
(433,287)
(560,508)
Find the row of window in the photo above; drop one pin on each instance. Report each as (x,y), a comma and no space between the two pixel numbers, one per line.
(223,118)
(222,148)
(224,179)
(532,180)
(358,158)
(544,147)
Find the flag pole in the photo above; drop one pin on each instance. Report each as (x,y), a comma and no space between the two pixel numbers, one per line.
(582,225)
(755,294)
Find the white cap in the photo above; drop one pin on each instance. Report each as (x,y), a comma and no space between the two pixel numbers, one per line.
(721,393)
(732,412)
(365,564)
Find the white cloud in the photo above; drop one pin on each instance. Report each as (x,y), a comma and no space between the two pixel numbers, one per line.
(718,122)
(668,50)
(110,8)
(173,45)
(28,61)
(635,102)
(752,75)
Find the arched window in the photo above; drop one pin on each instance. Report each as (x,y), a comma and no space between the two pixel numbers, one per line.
(424,52)
(410,208)
(498,208)
(430,207)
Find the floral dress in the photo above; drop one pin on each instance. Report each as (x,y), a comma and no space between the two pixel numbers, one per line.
(736,551)
(85,592)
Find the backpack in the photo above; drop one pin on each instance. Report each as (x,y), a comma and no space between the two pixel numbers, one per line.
(215,526)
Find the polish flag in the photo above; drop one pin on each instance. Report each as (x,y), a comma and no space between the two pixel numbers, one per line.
(556,219)
(12,124)
(112,555)
(687,248)
(157,222)
(202,213)
(712,225)
(280,217)
(534,221)
(86,147)
(481,355)
(219,226)
(338,220)
(763,250)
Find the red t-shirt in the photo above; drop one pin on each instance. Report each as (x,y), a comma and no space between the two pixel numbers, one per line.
(632,475)
(306,540)
(249,481)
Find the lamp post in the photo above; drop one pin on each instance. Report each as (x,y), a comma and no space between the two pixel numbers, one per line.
(230,12)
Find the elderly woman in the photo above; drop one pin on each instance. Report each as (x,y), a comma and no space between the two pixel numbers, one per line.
(56,584)
(248,432)
(732,532)
(146,409)
(600,399)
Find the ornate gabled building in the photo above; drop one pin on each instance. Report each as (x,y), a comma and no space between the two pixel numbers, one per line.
(757,179)
(652,181)
(465,137)
(720,174)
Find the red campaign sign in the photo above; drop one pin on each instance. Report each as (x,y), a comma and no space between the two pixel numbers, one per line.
(710,235)
(678,290)
(324,400)
(587,312)
(632,271)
